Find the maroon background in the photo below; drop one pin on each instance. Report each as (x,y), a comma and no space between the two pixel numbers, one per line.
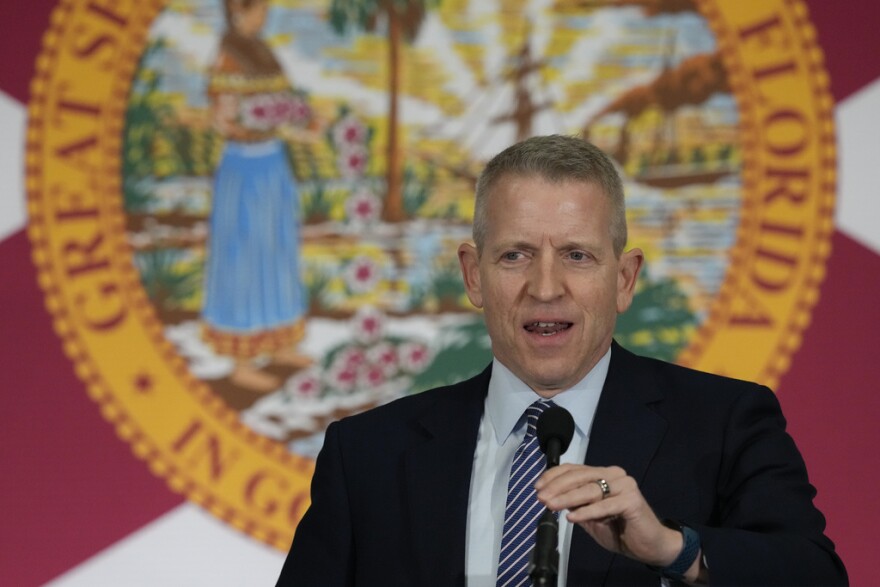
(70,487)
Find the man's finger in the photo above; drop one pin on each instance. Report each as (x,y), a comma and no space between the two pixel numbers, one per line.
(597,511)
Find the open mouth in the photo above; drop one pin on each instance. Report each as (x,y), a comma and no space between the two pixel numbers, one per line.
(547,328)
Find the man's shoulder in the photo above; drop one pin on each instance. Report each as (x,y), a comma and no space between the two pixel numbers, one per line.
(672,380)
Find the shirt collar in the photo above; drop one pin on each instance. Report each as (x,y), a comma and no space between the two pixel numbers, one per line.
(508,398)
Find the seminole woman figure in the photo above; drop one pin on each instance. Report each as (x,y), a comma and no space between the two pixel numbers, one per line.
(255,301)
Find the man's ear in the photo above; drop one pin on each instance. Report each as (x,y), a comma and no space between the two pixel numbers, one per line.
(627,274)
(469,260)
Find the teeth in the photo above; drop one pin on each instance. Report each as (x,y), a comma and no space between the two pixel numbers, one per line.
(554,328)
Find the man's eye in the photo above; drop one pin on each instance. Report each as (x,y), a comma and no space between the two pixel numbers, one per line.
(577,255)
(512,255)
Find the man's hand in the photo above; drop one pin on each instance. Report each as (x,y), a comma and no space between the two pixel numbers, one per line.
(621,521)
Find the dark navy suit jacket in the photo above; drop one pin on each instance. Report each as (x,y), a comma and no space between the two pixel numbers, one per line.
(391,486)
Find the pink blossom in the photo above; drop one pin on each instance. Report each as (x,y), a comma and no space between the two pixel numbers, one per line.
(363,206)
(414,356)
(306,384)
(263,111)
(348,132)
(361,274)
(371,376)
(352,161)
(301,111)
(384,356)
(350,357)
(368,325)
(342,377)
(282,110)
(254,113)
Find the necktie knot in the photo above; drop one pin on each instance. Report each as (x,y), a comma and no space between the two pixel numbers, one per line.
(533,412)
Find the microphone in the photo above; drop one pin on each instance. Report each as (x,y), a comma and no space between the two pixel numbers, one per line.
(555,429)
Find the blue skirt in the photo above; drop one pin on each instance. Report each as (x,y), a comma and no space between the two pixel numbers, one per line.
(253,284)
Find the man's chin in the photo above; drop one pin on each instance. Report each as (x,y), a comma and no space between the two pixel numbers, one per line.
(548,384)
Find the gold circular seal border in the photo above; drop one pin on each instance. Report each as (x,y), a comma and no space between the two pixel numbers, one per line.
(776,70)
(187,435)
(172,420)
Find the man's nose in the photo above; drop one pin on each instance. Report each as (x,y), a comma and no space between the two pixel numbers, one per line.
(546,279)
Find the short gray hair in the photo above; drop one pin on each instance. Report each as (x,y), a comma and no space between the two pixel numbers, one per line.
(555,158)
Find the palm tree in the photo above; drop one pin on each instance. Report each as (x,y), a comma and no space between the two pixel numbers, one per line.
(404,18)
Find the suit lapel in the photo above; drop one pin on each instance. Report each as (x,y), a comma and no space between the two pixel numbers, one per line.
(438,467)
(625,433)
(437,473)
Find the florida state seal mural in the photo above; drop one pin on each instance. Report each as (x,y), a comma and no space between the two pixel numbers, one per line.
(245,212)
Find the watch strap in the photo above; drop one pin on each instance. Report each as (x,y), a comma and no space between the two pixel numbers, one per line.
(690,548)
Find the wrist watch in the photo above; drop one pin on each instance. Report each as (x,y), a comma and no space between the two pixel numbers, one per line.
(689,551)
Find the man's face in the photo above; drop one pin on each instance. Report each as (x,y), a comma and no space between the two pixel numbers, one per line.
(547,279)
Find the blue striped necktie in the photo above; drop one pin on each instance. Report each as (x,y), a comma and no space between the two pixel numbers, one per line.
(523,508)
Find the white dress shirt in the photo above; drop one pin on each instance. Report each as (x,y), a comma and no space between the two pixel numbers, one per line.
(501,431)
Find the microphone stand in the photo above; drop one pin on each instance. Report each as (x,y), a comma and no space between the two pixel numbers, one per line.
(544,564)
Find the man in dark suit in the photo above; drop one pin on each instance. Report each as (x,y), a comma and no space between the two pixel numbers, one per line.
(673,474)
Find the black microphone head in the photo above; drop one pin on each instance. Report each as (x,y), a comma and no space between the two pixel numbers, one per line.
(555,422)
